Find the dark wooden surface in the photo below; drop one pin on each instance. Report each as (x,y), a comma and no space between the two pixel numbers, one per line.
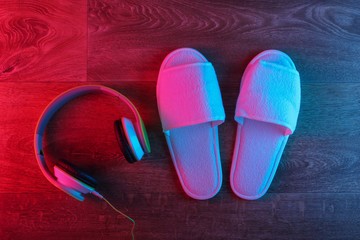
(47,47)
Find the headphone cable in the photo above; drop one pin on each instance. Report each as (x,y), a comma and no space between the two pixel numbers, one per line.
(118,211)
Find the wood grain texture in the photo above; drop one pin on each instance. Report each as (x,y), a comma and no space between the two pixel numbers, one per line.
(168,216)
(43,40)
(323,38)
(43,51)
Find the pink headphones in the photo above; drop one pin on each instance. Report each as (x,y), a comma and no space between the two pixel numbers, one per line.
(132,138)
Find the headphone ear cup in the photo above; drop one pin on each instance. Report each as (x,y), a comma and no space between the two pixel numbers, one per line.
(132,138)
(123,144)
(76,173)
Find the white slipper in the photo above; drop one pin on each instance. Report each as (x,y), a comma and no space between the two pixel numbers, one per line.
(266,111)
(190,108)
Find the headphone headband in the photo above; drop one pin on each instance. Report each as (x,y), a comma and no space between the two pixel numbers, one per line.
(60,101)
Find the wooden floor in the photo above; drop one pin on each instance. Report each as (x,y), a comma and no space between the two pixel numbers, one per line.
(47,47)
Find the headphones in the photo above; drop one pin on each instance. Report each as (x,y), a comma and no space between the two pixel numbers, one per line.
(132,139)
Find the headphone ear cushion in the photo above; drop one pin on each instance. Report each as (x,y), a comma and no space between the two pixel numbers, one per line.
(75,172)
(132,138)
(123,144)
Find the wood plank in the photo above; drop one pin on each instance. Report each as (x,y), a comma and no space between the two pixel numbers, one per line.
(166,216)
(43,40)
(129,39)
(321,156)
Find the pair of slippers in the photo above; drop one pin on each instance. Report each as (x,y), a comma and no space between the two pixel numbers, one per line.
(191,109)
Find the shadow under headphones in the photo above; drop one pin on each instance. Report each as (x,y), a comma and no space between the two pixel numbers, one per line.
(132,138)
